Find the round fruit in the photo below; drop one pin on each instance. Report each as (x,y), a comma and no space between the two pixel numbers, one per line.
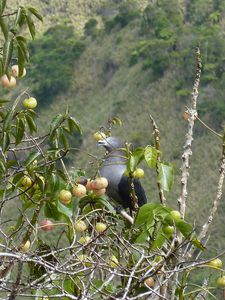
(100,227)
(139,173)
(82,180)
(30,103)
(216,263)
(15,71)
(65,197)
(99,183)
(25,247)
(79,190)
(9,83)
(84,239)
(46,225)
(168,229)
(99,136)
(99,192)
(113,261)
(150,282)
(88,185)
(26,181)
(221,281)
(80,226)
(175,214)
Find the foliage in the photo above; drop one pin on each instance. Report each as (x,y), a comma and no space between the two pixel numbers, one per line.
(54,62)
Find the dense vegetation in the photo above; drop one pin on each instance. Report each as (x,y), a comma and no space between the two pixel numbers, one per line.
(134,62)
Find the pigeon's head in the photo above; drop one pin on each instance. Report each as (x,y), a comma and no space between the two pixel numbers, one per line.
(111,143)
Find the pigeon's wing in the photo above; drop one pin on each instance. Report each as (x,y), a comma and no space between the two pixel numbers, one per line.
(124,190)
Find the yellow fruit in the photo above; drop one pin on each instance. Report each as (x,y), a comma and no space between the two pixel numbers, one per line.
(216,263)
(99,136)
(100,227)
(8,83)
(99,183)
(30,103)
(150,282)
(25,247)
(113,261)
(88,185)
(15,71)
(221,281)
(79,190)
(65,197)
(99,192)
(80,226)
(139,173)
(175,214)
(84,239)
(26,181)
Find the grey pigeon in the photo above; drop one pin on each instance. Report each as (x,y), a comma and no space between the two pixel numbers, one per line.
(113,168)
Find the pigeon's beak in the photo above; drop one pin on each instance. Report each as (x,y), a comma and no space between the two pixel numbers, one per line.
(102,143)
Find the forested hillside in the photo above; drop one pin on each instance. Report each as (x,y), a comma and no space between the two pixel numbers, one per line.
(130,59)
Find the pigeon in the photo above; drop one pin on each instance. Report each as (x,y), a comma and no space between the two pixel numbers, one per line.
(113,168)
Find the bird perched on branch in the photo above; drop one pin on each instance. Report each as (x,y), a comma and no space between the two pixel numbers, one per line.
(113,168)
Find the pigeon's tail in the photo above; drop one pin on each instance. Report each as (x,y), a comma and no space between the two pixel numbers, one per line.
(125,190)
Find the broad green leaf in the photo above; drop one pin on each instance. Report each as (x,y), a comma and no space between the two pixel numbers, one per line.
(20,128)
(31,158)
(166,176)
(135,158)
(185,228)
(7,53)
(151,154)
(5,141)
(4,27)
(2,6)
(31,124)
(22,44)
(53,181)
(18,16)
(51,211)
(197,243)
(73,123)
(35,13)
(56,122)
(142,237)
(145,214)
(66,210)
(21,60)
(31,26)
(160,239)
(64,140)
(106,203)
(16,179)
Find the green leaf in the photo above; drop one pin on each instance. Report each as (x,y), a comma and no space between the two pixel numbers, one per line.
(20,128)
(31,26)
(145,214)
(35,13)
(51,211)
(151,154)
(31,158)
(66,210)
(64,140)
(7,53)
(5,141)
(56,122)
(2,166)
(160,239)
(18,16)
(31,124)
(16,179)
(4,27)
(53,182)
(166,176)
(2,6)
(21,60)
(135,158)
(197,243)
(102,200)
(72,123)
(22,44)
(185,228)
